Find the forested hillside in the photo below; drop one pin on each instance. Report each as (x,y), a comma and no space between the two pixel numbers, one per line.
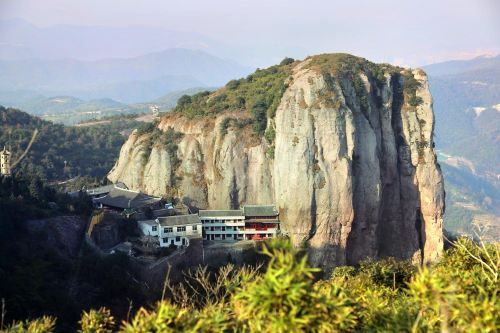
(467,110)
(60,152)
(44,266)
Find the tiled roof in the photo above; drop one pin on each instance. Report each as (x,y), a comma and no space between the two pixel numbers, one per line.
(260,210)
(220,213)
(148,222)
(122,198)
(105,189)
(179,220)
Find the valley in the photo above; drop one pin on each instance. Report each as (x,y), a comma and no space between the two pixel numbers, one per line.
(466,95)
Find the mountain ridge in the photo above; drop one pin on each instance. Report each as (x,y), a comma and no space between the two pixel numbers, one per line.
(137,79)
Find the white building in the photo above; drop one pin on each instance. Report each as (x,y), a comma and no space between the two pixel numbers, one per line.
(253,222)
(173,230)
(223,224)
(5,157)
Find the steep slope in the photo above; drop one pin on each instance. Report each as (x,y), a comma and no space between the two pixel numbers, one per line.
(344,148)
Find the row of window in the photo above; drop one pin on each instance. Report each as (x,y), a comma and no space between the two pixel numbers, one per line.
(223,221)
(224,228)
(171,229)
(177,239)
(235,236)
(224,236)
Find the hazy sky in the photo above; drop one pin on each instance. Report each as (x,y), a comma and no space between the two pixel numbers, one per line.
(402,32)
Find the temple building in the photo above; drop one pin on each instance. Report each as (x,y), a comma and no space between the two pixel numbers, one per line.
(121,199)
(5,160)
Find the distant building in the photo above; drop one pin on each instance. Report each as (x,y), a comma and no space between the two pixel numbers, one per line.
(155,110)
(5,160)
(173,230)
(103,190)
(121,199)
(253,222)
(97,192)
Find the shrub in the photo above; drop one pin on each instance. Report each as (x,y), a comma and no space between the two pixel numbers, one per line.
(42,325)
(287,61)
(415,100)
(224,125)
(183,101)
(284,299)
(97,321)
(270,135)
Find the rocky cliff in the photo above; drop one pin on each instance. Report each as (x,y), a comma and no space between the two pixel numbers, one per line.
(345,151)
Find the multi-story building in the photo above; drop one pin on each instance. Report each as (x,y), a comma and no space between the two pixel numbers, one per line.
(173,230)
(253,222)
(261,221)
(5,157)
(223,224)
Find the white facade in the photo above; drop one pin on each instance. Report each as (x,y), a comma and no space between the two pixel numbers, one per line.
(173,230)
(179,234)
(234,225)
(5,162)
(149,227)
(216,226)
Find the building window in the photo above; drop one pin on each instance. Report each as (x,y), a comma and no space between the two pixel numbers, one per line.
(165,240)
(177,239)
(211,228)
(181,229)
(154,228)
(167,230)
(195,227)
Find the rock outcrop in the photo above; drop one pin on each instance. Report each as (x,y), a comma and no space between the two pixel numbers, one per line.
(350,164)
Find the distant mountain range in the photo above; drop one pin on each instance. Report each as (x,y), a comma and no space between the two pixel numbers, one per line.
(20,39)
(129,80)
(69,110)
(467,110)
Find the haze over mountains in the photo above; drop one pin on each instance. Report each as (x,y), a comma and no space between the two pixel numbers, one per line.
(20,39)
(128,80)
(467,110)
(112,70)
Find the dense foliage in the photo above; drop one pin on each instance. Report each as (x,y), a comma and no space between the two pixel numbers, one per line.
(40,278)
(259,94)
(459,293)
(60,152)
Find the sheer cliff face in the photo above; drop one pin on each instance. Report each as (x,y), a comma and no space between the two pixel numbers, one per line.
(354,173)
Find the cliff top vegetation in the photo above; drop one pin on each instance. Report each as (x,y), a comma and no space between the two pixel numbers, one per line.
(260,93)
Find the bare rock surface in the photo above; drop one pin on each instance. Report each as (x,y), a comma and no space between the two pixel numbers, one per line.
(353,177)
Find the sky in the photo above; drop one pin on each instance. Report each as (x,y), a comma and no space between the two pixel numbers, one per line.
(261,32)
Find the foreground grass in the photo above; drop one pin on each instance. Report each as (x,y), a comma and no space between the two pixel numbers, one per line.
(457,294)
